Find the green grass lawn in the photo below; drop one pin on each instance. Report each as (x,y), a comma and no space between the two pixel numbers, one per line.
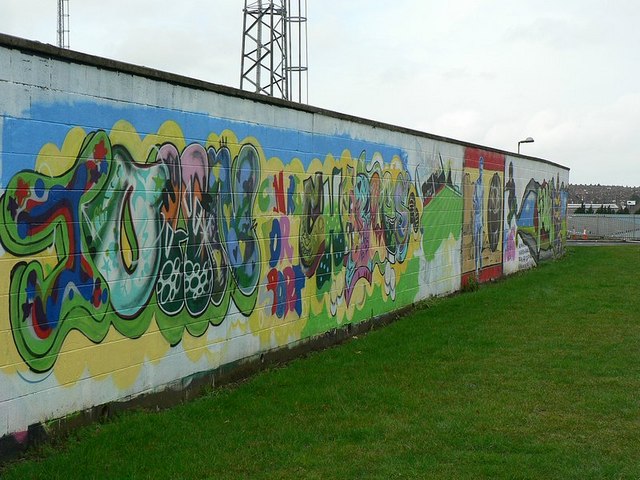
(534,377)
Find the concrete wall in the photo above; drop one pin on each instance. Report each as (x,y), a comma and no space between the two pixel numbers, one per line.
(154,227)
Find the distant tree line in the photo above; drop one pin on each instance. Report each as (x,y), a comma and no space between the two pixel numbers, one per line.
(601,210)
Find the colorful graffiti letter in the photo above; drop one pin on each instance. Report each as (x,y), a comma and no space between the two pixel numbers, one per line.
(112,232)
(45,215)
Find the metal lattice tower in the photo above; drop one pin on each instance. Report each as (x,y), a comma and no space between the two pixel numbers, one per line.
(274,49)
(63,23)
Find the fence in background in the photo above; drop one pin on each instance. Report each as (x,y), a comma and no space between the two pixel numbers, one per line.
(621,227)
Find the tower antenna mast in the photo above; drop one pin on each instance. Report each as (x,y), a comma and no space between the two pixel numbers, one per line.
(298,52)
(274,49)
(63,23)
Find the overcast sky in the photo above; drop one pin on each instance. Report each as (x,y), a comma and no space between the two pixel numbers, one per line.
(566,73)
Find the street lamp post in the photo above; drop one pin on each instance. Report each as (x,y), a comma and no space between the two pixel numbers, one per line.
(526,140)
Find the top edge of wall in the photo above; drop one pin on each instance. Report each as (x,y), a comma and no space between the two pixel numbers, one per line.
(54,52)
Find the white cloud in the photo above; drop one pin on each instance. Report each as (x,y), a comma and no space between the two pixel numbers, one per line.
(460,124)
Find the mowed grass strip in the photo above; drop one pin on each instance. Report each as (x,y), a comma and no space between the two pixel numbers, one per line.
(534,377)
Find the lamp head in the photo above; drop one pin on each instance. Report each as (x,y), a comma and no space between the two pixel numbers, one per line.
(526,140)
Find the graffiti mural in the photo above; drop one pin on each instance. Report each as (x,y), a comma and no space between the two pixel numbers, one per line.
(483,209)
(365,224)
(123,230)
(535,227)
(342,232)
(192,232)
(179,231)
